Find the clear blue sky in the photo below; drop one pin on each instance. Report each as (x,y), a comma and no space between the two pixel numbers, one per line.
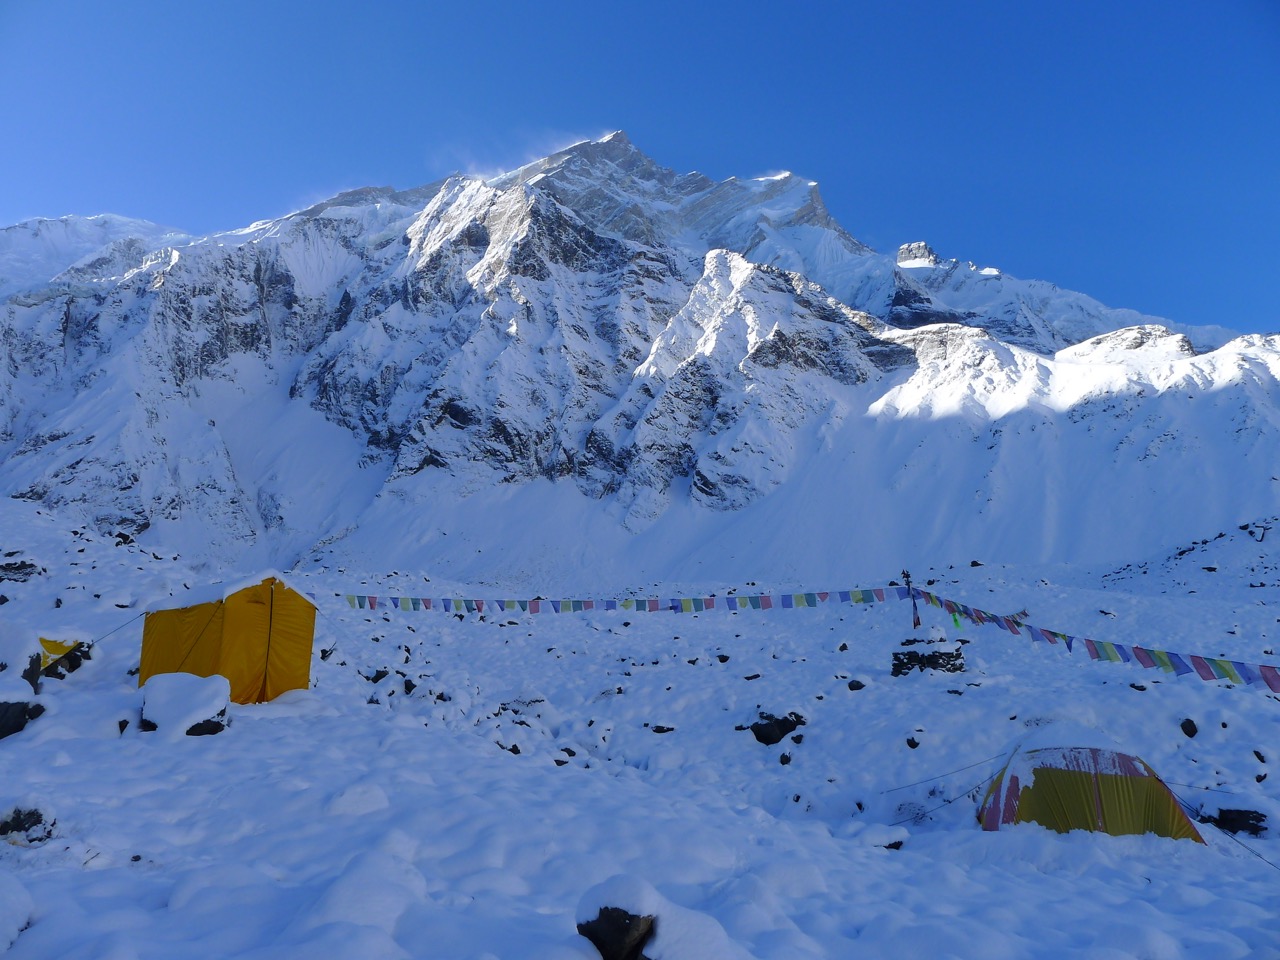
(1127,148)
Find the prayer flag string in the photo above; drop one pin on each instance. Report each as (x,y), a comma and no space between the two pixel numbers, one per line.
(1177,664)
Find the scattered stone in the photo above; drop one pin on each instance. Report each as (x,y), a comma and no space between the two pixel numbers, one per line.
(785,759)
(659,728)
(617,934)
(857,685)
(754,676)
(1189,727)
(722,657)
(912,742)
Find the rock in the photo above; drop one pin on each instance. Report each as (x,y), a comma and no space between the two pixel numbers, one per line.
(917,254)
(183,704)
(1251,822)
(14,716)
(945,656)
(29,823)
(617,934)
(770,729)
(613,914)
(1189,727)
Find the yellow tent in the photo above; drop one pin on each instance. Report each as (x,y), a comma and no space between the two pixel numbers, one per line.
(1084,788)
(258,637)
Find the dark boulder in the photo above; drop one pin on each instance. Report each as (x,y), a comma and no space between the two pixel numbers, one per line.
(14,716)
(770,729)
(1237,821)
(30,825)
(617,934)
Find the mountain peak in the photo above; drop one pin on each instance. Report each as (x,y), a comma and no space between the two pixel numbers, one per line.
(917,254)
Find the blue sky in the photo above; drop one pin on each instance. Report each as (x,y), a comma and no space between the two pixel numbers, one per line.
(1129,149)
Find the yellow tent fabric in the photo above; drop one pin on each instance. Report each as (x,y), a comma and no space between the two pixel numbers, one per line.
(54,650)
(1084,788)
(258,637)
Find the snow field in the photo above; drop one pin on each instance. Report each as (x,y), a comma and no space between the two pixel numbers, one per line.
(363,819)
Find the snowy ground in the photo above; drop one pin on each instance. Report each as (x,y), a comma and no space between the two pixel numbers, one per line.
(366,819)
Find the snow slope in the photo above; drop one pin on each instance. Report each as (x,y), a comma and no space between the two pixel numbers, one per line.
(460,786)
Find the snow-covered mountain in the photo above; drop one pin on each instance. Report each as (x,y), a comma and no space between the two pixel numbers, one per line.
(624,363)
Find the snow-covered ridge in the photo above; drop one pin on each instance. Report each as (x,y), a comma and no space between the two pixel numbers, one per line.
(669,359)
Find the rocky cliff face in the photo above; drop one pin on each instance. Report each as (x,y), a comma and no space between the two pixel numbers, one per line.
(592,319)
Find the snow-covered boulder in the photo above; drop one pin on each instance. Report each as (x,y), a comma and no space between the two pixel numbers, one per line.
(678,933)
(182,703)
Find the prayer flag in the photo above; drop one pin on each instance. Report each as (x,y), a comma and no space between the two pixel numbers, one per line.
(1247,671)
(1144,657)
(1092,648)
(1202,668)
(351,600)
(1224,669)
(766,602)
(1270,676)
